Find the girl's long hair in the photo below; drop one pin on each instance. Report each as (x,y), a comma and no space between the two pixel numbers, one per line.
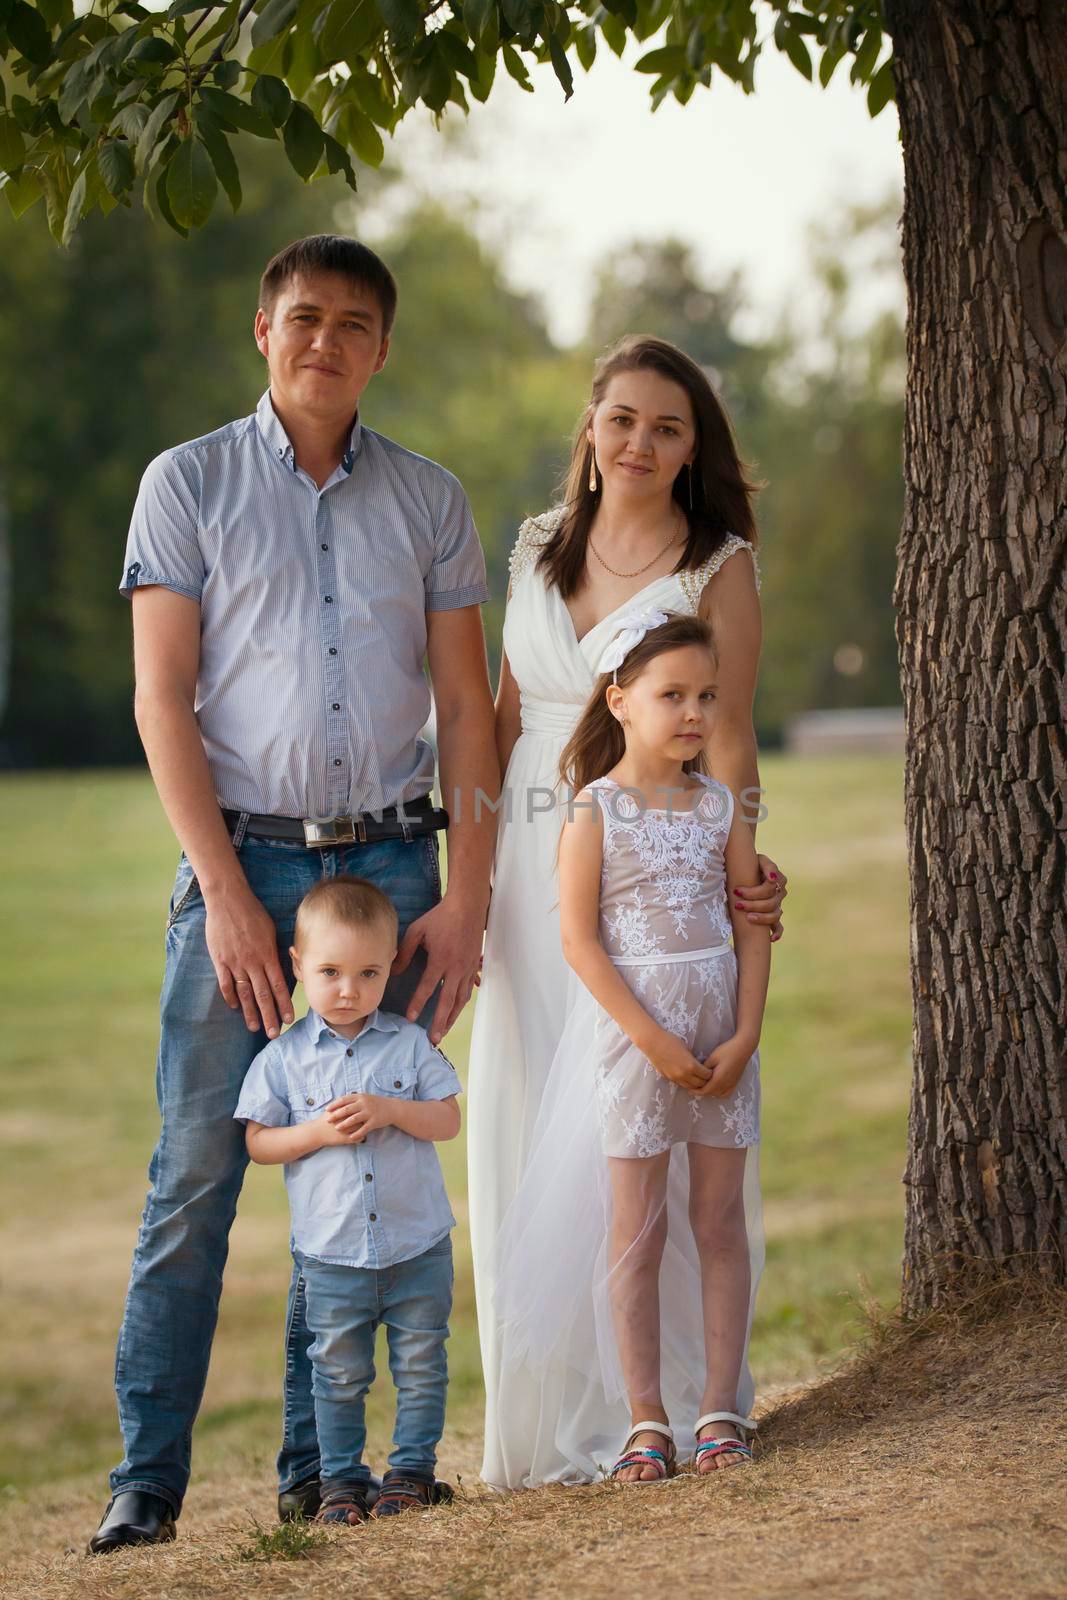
(598,742)
(722,492)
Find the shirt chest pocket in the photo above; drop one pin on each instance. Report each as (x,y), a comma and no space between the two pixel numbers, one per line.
(396,1082)
(309,1098)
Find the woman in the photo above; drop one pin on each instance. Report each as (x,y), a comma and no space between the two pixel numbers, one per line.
(657,512)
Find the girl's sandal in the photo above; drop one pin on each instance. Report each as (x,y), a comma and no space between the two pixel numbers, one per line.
(711,1449)
(346,1506)
(646,1456)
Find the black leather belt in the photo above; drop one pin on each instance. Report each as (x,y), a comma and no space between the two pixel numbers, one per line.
(407,821)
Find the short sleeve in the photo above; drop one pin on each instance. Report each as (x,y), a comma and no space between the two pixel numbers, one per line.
(457,573)
(437,1077)
(162,546)
(263,1095)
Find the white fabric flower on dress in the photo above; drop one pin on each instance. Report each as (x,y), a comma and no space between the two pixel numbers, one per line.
(632,629)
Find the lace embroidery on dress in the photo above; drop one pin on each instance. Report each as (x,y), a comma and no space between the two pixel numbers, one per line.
(533,533)
(693,579)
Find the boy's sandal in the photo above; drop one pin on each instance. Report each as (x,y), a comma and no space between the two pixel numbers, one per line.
(346,1506)
(402,1491)
(711,1449)
(646,1456)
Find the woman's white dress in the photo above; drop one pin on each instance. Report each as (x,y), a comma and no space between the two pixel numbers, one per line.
(547,1422)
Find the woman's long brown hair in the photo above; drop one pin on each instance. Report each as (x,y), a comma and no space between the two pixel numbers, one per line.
(722,492)
(598,742)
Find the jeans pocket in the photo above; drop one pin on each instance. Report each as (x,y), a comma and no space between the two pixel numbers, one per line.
(185,888)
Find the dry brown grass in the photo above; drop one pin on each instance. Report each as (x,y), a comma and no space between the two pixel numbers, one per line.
(932,1464)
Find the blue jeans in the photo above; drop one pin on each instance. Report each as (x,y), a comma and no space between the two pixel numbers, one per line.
(198,1165)
(345,1306)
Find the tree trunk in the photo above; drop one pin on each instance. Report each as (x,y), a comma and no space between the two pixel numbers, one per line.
(982,93)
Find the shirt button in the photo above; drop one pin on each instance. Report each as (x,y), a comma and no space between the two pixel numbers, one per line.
(332,650)
(328,599)
(337,761)
(367,1176)
(397,1084)
(310,1100)
(348,1052)
(374,1216)
(337,705)
(324,547)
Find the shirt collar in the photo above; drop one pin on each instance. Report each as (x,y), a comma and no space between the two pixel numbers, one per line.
(279,444)
(384,1021)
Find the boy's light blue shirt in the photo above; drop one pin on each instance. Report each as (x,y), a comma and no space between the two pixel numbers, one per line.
(371,1204)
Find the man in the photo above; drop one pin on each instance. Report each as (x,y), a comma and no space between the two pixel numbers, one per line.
(288,574)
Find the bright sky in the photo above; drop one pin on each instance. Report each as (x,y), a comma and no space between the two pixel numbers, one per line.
(739,177)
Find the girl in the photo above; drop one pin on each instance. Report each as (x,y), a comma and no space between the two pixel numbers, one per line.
(632,1249)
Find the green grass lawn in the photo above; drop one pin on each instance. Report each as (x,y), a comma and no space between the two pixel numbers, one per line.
(87,865)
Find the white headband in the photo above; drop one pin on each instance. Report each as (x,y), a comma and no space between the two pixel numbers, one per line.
(633,627)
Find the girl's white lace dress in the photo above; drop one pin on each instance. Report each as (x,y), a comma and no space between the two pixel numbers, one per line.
(665,923)
(545,1419)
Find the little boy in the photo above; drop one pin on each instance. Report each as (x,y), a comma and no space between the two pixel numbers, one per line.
(351,1099)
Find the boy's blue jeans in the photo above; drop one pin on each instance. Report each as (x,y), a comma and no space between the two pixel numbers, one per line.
(344,1308)
(198,1165)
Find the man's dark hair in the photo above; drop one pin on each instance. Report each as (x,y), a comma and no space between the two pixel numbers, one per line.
(331,252)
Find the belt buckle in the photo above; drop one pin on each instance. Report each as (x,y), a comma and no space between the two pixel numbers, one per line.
(336,830)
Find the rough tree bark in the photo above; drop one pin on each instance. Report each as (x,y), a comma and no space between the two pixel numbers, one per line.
(982,93)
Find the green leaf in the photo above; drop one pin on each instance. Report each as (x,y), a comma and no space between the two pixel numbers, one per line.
(29,32)
(882,89)
(222,159)
(358,133)
(54,12)
(790,41)
(483,83)
(116,166)
(303,139)
(337,160)
(561,66)
(159,205)
(191,184)
(403,18)
(274,18)
(828,65)
(516,67)
(235,113)
(160,115)
(585,47)
(76,203)
(614,34)
(481,20)
(867,55)
(22,190)
(153,52)
(669,60)
(181,8)
(131,121)
(272,98)
(226,73)
(12,144)
(350,26)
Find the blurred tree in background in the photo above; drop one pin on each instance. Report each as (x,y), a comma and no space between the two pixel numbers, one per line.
(136,340)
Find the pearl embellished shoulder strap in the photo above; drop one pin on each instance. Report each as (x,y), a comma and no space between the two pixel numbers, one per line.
(693,579)
(533,533)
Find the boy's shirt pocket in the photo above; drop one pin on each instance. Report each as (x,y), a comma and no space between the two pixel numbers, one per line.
(309,1097)
(398,1081)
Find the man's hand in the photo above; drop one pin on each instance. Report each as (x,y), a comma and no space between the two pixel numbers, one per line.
(764,902)
(353,1116)
(243,947)
(451,934)
(726,1063)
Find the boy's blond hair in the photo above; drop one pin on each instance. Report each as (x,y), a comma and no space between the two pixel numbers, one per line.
(353,902)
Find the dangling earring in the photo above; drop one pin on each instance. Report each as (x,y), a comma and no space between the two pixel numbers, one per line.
(689,469)
(592,470)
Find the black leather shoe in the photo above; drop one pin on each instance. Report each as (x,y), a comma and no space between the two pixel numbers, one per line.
(305,1498)
(133,1517)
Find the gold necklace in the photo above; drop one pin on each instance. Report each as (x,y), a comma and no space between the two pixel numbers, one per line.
(672,540)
